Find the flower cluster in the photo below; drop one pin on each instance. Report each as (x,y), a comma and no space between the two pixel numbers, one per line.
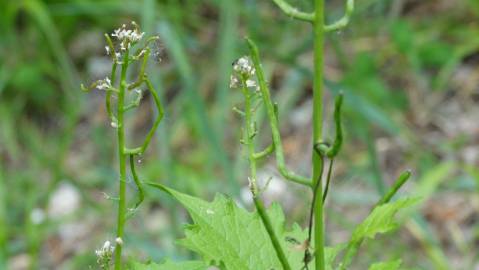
(244,66)
(104,255)
(127,37)
(104,84)
(243,71)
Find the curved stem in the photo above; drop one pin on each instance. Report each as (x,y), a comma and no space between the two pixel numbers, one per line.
(139,81)
(139,186)
(159,117)
(273,121)
(343,22)
(140,150)
(268,150)
(338,140)
(294,12)
(249,141)
(122,163)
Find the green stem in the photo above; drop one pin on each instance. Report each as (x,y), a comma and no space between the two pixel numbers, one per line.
(122,162)
(343,21)
(268,150)
(394,189)
(318,30)
(249,141)
(273,121)
(294,12)
(139,186)
(307,258)
(328,179)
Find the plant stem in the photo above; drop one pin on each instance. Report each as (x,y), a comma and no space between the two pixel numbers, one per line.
(294,12)
(394,189)
(273,121)
(122,162)
(249,141)
(318,31)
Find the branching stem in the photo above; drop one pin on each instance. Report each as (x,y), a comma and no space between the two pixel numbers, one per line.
(122,163)
(252,157)
(273,121)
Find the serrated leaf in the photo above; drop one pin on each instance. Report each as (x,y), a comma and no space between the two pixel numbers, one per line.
(391,265)
(381,219)
(170,265)
(224,233)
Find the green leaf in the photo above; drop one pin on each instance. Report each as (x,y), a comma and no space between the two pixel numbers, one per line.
(170,265)
(391,265)
(330,254)
(224,233)
(381,220)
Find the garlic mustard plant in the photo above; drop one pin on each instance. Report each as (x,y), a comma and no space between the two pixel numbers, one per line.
(126,46)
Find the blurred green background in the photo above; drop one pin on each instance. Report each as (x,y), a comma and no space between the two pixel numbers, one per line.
(409,70)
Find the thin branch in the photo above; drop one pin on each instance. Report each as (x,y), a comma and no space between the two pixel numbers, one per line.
(294,12)
(328,179)
(135,103)
(250,130)
(338,140)
(343,21)
(394,189)
(307,255)
(140,150)
(159,117)
(139,186)
(268,150)
(141,74)
(273,121)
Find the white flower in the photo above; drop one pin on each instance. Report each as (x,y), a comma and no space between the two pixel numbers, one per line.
(243,71)
(251,83)
(128,36)
(104,84)
(105,254)
(106,250)
(234,82)
(244,67)
(107,49)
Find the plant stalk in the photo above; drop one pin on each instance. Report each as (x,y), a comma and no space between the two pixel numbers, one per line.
(122,161)
(249,140)
(318,32)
